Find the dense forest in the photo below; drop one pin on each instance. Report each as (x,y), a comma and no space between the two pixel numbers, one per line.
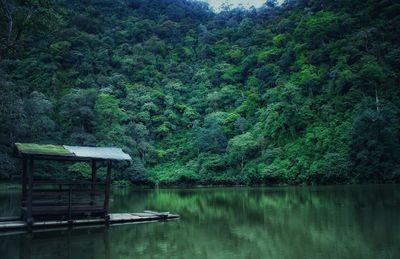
(303,92)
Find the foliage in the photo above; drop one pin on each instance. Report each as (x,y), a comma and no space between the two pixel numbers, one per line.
(80,171)
(375,145)
(240,146)
(305,92)
(173,174)
(42,149)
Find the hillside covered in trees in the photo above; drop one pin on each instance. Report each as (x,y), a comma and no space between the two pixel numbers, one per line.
(306,92)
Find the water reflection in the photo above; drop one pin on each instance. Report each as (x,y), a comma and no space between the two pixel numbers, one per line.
(302,222)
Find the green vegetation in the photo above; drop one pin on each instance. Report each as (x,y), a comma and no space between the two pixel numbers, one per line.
(306,92)
(28,148)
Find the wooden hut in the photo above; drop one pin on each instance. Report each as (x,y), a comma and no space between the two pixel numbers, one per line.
(55,204)
(66,199)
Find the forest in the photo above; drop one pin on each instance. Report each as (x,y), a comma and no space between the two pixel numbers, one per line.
(299,92)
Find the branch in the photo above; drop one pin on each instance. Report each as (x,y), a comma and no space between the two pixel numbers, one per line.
(8,14)
(19,31)
(11,41)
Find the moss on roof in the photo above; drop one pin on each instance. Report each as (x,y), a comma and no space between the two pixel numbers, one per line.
(28,148)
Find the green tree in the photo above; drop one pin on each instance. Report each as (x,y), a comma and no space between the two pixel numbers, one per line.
(375,145)
(240,146)
(109,118)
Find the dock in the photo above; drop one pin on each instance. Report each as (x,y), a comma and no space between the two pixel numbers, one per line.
(70,203)
(15,224)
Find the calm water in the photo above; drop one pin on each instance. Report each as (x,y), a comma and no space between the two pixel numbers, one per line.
(293,222)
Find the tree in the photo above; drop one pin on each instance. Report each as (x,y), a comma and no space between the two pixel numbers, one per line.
(79,115)
(108,111)
(240,146)
(18,17)
(371,76)
(210,138)
(39,111)
(12,121)
(375,144)
(109,118)
(140,134)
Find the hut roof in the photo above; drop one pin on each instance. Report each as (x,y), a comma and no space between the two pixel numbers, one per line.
(71,152)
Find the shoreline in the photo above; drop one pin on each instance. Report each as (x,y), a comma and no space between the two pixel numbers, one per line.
(7,185)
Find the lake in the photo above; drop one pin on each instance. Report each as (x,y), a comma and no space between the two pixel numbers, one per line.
(277,222)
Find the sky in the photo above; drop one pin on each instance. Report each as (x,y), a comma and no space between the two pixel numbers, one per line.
(246,3)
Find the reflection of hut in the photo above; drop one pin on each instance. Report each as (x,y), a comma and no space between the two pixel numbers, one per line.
(66,200)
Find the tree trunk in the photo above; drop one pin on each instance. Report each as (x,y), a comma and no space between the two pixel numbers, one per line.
(376,99)
(242,165)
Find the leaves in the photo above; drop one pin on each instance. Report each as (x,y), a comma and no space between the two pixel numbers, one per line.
(283,94)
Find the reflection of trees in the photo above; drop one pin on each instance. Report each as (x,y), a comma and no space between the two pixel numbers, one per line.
(9,200)
(290,222)
(332,222)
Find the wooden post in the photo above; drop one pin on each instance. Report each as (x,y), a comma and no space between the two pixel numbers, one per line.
(24,173)
(29,218)
(70,221)
(107,190)
(93,189)
(59,195)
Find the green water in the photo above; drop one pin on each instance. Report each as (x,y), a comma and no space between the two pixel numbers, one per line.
(292,222)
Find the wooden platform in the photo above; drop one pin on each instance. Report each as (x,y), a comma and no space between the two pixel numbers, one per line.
(14,224)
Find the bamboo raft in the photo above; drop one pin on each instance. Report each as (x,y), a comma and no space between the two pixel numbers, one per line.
(15,224)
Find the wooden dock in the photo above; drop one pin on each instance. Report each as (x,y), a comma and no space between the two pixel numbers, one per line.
(59,204)
(15,224)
